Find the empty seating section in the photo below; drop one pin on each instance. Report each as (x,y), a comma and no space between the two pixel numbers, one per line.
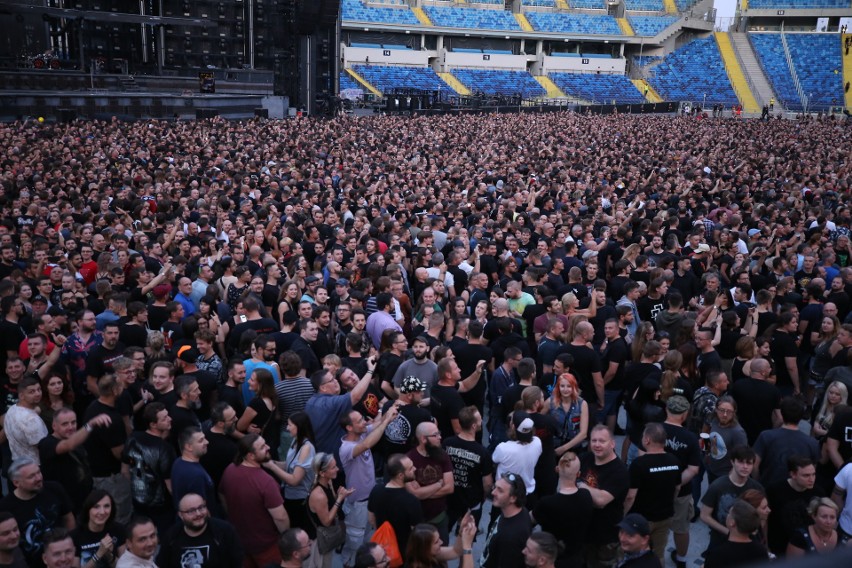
(496,2)
(544,3)
(800,4)
(598,88)
(574,23)
(645,5)
(347,82)
(643,60)
(472,18)
(816,58)
(357,11)
(385,78)
(692,72)
(650,25)
(684,5)
(500,82)
(588,4)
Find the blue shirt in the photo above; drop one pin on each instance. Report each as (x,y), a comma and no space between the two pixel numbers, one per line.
(324,411)
(250,367)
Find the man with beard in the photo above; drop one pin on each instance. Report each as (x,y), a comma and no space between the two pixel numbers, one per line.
(433,478)
(400,433)
(102,357)
(254,503)
(420,366)
(75,353)
(295,548)
(10,537)
(393,503)
(508,535)
(222,446)
(147,460)
(186,363)
(199,539)
(188,475)
(183,412)
(263,358)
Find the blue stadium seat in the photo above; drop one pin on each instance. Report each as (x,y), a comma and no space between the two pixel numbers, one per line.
(347,82)
(650,25)
(643,60)
(645,5)
(500,82)
(800,4)
(588,4)
(389,77)
(472,18)
(693,71)
(495,2)
(599,24)
(816,57)
(684,5)
(544,3)
(357,11)
(598,88)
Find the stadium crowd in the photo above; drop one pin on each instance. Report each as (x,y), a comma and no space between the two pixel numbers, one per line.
(254,343)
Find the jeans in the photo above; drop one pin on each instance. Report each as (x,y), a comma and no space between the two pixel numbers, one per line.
(357,518)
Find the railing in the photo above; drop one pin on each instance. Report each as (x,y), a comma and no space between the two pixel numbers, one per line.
(749,82)
(799,90)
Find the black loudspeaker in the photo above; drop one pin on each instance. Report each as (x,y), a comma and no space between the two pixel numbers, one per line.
(66,114)
(261,112)
(311,15)
(202,113)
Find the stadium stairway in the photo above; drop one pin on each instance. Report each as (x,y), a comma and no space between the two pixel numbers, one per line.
(763,91)
(847,69)
(364,82)
(735,73)
(562,5)
(523,22)
(553,91)
(671,7)
(421,15)
(650,95)
(454,83)
(625,26)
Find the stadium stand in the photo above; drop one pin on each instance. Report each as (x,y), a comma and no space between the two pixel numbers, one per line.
(797,4)
(357,11)
(500,82)
(650,25)
(540,3)
(817,58)
(588,4)
(388,77)
(347,82)
(692,72)
(644,5)
(598,88)
(598,24)
(471,18)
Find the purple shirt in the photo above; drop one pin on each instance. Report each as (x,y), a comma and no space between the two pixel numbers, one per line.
(377,323)
(360,471)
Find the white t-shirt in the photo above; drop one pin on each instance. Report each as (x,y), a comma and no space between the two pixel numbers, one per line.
(514,457)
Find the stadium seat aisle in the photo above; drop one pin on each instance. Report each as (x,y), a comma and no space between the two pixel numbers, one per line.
(735,73)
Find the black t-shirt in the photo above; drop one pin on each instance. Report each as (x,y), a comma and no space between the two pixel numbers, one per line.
(613,478)
(207,382)
(471,462)
(446,402)
(261,326)
(783,345)
(572,529)
(182,418)
(233,396)
(38,516)
(615,352)
(707,362)
(789,511)
(221,450)
(655,476)
(730,554)
(467,356)
(71,469)
(506,541)
(548,430)
(397,506)
(757,401)
(133,335)
(102,440)
(87,542)
(217,547)
(400,432)
(586,362)
(11,337)
(100,359)
(683,445)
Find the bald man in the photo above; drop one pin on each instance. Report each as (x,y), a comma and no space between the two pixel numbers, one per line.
(760,398)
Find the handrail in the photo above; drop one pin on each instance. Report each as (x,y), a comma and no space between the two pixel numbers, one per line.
(749,82)
(803,98)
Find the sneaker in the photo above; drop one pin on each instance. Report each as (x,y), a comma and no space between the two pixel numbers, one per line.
(677,563)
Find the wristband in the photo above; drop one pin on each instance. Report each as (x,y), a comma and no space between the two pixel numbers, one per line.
(88,427)
(467,551)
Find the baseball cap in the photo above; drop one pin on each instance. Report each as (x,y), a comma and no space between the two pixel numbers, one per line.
(342,282)
(703,247)
(634,523)
(311,279)
(412,384)
(677,404)
(188,354)
(753,232)
(523,423)
(39,298)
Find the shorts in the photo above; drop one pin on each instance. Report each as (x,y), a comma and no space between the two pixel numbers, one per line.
(684,509)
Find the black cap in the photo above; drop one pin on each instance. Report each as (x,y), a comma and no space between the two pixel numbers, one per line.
(39,298)
(634,523)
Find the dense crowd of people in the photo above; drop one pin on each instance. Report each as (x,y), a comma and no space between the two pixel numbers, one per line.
(301,342)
